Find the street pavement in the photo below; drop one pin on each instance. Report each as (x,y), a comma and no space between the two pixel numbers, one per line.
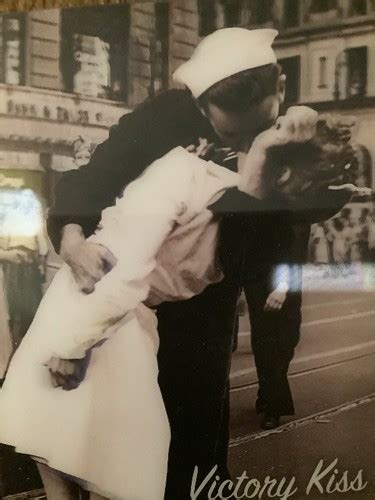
(332,378)
(346,436)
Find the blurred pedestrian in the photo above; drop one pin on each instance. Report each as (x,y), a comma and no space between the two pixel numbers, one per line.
(23,231)
(83,148)
(341,238)
(274,298)
(371,237)
(6,342)
(320,245)
(358,242)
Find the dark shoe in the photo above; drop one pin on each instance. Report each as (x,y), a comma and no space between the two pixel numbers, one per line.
(270,422)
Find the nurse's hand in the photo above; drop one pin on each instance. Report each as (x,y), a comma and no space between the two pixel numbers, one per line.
(88,261)
(298,125)
(67,373)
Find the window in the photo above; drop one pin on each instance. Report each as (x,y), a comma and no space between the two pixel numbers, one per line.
(94,51)
(357,71)
(351,73)
(264,11)
(362,175)
(322,5)
(207,16)
(358,8)
(247,13)
(291,68)
(232,12)
(12,49)
(160,48)
(323,72)
(291,13)
(239,12)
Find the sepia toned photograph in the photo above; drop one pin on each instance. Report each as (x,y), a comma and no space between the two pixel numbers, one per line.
(187,250)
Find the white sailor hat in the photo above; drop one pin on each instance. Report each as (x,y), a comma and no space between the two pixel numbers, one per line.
(224,53)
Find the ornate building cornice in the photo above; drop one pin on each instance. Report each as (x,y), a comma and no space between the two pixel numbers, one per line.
(12,5)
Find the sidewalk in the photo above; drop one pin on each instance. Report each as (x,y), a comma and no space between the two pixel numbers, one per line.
(314,391)
(296,451)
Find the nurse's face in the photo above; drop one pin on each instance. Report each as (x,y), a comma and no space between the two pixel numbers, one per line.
(238,130)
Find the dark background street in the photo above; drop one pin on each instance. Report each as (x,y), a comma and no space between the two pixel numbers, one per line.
(332,377)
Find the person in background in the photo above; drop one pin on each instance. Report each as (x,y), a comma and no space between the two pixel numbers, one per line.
(358,241)
(23,231)
(364,224)
(320,245)
(274,298)
(83,149)
(340,234)
(371,237)
(14,257)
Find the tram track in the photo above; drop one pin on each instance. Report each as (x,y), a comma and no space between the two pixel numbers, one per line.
(308,371)
(322,417)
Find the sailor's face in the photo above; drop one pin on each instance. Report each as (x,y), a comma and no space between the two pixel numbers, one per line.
(238,130)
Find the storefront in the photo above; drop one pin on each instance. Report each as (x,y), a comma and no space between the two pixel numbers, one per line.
(37,131)
(38,128)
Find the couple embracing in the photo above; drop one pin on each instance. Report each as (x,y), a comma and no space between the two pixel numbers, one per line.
(120,386)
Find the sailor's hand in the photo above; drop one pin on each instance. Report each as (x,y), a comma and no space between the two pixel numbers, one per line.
(298,125)
(275,300)
(88,261)
(67,373)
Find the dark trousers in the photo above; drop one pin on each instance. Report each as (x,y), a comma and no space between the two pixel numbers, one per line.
(371,254)
(194,363)
(274,336)
(23,284)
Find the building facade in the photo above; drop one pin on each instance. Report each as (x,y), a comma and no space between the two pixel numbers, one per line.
(327,51)
(71,72)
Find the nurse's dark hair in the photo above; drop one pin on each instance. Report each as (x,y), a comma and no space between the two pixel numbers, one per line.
(239,92)
(328,157)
